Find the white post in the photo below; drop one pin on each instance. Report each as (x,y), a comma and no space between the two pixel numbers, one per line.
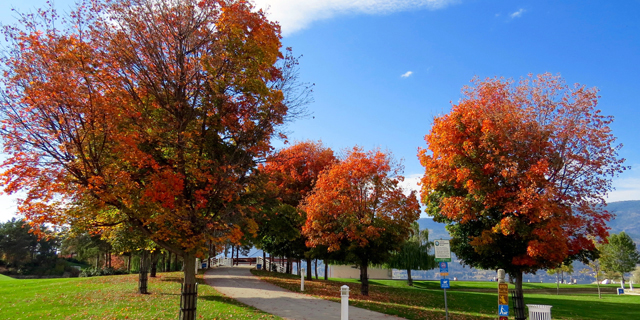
(631,285)
(302,279)
(344,310)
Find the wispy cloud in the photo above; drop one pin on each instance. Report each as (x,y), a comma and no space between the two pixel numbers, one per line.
(407,74)
(517,14)
(295,15)
(627,188)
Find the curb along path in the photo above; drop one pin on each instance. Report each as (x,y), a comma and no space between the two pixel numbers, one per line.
(238,283)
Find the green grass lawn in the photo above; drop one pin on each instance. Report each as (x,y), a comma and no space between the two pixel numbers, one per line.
(112,297)
(426,299)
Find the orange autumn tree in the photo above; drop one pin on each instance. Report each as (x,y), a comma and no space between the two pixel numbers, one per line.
(520,172)
(358,209)
(152,112)
(292,173)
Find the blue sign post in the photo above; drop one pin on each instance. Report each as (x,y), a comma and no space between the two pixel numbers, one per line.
(503,310)
(444,284)
(444,268)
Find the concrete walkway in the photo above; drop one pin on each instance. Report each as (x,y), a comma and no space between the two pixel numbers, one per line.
(238,283)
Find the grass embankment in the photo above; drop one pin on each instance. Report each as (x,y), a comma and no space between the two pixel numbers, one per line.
(426,300)
(112,297)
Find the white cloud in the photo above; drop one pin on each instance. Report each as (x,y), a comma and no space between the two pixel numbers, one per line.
(407,74)
(8,207)
(517,14)
(627,188)
(295,15)
(410,183)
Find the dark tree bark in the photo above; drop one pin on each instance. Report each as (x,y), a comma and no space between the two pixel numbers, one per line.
(142,280)
(409,280)
(264,260)
(309,276)
(154,264)
(163,263)
(316,268)
(364,279)
(287,269)
(326,270)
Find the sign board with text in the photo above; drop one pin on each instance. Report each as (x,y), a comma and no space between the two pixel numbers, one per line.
(443,251)
(503,288)
(444,284)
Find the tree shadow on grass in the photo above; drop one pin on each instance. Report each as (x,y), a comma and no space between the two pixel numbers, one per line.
(222,299)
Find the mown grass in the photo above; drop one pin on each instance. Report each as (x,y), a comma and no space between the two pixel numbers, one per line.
(426,299)
(112,297)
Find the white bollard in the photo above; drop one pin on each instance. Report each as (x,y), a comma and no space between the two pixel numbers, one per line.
(344,310)
(302,279)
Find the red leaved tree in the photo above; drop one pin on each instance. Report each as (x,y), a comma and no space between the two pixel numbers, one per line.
(292,173)
(520,173)
(152,113)
(357,208)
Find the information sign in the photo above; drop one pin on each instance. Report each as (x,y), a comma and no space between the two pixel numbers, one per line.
(503,310)
(444,268)
(443,251)
(444,284)
(503,288)
(503,299)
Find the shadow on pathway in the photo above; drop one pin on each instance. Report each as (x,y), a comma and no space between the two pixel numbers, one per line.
(238,283)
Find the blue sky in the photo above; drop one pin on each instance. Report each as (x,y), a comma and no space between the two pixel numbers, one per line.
(356,52)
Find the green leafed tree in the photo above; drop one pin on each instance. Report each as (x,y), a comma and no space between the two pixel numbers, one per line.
(619,255)
(414,253)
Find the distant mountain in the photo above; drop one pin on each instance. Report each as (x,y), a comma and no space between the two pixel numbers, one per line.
(627,219)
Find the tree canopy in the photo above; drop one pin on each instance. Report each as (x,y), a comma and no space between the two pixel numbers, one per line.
(520,172)
(358,208)
(620,254)
(159,110)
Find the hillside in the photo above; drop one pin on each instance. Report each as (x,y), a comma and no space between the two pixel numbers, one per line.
(627,219)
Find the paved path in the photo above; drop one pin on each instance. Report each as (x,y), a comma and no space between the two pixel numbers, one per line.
(238,283)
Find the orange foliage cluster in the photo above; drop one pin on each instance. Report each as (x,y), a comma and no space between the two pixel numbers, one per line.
(534,158)
(158,109)
(358,201)
(293,171)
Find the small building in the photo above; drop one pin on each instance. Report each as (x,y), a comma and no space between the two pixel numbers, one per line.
(353,272)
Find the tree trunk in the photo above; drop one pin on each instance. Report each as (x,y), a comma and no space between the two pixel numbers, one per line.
(309,276)
(364,279)
(518,303)
(98,261)
(326,270)
(316,267)
(142,280)
(154,264)
(232,260)
(287,270)
(164,269)
(189,296)
(175,262)
(598,284)
(264,260)
(557,284)
(168,265)
(409,280)
(129,262)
